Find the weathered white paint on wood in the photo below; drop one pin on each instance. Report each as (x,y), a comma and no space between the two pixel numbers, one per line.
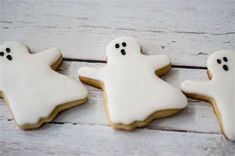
(198,117)
(68,139)
(188,31)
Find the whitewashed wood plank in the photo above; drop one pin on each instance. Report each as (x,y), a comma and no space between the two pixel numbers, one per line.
(196,16)
(197,117)
(68,139)
(188,31)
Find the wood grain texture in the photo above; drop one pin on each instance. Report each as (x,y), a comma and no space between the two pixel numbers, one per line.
(188,31)
(67,139)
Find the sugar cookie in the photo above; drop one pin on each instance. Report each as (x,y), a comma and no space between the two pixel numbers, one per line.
(133,94)
(220,90)
(34,92)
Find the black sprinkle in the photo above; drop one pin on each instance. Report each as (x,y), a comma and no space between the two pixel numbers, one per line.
(9,57)
(225,67)
(219,61)
(1,53)
(225,59)
(117,45)
(8,50)
(124,44)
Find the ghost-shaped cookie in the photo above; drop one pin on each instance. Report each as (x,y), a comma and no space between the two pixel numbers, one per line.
(35,92)
(220,90)
(134,94)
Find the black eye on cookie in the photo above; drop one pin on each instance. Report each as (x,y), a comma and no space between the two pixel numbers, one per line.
(117,45)
(1,53)
(225,59)
(123,52)
(218,61)
(124,44)
(8,50)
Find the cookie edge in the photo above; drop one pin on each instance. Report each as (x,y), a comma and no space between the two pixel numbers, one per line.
(138,123)
(59,109)
(209,100)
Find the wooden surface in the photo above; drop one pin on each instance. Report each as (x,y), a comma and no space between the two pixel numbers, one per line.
(187,30)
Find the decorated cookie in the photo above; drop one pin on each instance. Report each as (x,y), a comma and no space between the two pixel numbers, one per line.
(34,92)
(220,90)
(134,94)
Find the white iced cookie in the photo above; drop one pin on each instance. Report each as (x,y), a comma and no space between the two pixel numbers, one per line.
(220,90)
(34,92)
(134,95)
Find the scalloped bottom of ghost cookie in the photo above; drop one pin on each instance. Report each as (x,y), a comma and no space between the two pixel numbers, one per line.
(49,118)
(135,124)
(53,115)
(148,120)
(151,118)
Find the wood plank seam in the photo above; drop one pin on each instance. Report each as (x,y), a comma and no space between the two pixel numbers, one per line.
(157,31)
(102,61)
(135,30)
(147,127)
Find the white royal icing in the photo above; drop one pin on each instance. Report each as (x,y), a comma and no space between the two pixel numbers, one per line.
(221,88)
(32,89)
(133,90)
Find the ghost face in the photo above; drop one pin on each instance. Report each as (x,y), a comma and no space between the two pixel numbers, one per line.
(9,51)
(6,53)
(122,47)
(222,63)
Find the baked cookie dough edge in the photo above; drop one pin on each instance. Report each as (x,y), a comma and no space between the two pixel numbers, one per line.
(55,112)
(136,124)
(210,100)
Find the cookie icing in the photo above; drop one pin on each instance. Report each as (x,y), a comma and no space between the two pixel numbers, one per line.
(133,90)
(220,89)
(29,85)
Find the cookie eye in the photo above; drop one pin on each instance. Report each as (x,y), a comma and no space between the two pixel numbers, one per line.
(8,50)
(225,59)
(117,45)
(124,44)
(225,67)
(1,53)
(218,61)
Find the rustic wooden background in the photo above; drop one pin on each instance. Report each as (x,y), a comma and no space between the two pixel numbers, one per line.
(187,30)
